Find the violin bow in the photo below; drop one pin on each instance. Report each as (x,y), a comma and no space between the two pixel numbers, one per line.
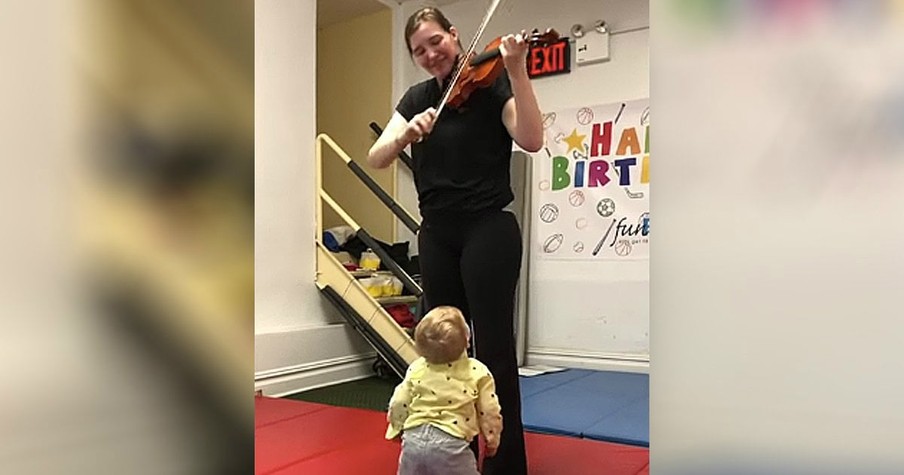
(464,58)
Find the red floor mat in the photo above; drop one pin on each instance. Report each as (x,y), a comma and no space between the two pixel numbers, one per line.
(562,455)
(278,410)
(295,437)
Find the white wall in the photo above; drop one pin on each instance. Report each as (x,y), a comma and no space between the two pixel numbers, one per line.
(579,314)
(300,341)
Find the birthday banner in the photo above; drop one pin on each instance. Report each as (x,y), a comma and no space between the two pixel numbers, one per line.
(592,184)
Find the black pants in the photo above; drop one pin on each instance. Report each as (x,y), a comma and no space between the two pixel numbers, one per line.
(473,262)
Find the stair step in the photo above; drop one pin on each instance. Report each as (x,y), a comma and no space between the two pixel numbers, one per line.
(399,299)
(360,274)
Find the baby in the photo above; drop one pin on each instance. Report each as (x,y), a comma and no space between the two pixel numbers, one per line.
(444,401)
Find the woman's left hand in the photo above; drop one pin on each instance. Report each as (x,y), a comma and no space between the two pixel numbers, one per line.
(513,49)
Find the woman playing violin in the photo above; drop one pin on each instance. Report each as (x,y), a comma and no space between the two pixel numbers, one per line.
(469,246)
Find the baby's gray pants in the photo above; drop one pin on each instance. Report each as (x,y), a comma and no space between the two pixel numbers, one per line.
(427,450)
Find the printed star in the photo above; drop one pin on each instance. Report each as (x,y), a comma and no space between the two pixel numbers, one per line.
(575,141)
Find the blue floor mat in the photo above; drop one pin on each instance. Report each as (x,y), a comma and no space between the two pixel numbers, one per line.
(601,405)
(537,384)
(631,425)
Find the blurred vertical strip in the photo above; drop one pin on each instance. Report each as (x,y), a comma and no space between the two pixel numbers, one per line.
(128,236)
(776,323)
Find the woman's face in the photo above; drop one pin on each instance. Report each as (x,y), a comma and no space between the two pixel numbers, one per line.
(434,49)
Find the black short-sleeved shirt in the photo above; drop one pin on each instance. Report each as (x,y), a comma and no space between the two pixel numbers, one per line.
(463,165)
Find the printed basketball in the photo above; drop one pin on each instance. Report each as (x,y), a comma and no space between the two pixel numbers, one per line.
(578,247)
(623,247)
(584,115)
(576,198)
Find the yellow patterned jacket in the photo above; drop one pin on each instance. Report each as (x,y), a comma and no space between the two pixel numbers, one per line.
(458,398)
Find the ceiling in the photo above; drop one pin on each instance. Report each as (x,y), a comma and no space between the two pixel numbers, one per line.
(335,11)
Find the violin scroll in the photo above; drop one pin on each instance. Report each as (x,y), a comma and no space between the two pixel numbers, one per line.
(481,70)
(543,39)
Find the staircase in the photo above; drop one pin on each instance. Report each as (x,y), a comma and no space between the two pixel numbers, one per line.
(365,313)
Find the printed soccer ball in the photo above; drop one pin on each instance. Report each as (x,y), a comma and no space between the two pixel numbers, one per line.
(605,207)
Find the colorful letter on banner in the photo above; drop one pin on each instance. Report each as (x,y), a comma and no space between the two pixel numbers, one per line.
(591,190)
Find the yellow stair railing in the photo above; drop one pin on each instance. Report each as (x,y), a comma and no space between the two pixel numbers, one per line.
(365,313)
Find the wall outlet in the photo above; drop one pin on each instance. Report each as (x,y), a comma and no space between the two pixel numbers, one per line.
(591,48)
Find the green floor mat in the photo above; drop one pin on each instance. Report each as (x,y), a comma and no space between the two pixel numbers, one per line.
(371,393)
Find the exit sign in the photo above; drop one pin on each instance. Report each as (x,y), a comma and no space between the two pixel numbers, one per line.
(554,58)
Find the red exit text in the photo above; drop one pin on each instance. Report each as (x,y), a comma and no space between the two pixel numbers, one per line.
(554,58)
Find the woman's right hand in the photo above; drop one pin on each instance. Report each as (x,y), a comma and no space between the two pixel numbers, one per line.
(419,126)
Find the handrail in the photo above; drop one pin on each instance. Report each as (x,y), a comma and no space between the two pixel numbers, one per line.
(404,157)
(322,196)
(387,200)
(372,243)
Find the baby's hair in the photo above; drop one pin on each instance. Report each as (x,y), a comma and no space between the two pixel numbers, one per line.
(442,335)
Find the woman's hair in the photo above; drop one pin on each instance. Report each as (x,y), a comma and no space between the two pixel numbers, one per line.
(442,335)
(423,15)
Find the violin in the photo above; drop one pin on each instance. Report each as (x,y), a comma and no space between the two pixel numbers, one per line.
(482,69)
